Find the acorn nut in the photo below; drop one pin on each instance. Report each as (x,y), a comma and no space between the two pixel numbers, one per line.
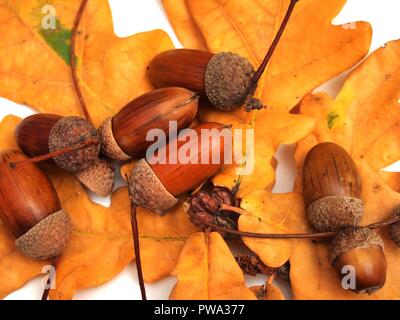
(359,249)
(156,186)
(331,188)
(30,209)
(124,135)
(223,78)
(41,134)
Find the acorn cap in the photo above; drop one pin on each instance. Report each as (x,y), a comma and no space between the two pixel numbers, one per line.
(48,238)
(98,178)
(335,212)
(394,229)
(69,131)
(351,238)
(148,191)
(109,146)
(227,80)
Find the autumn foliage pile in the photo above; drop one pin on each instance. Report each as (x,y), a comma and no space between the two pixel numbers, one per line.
(364,119)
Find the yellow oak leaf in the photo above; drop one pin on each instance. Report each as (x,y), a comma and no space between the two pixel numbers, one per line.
(272,213)
(184,25)
(270,128)
(364,119)
(101,243)
(311,51)
(34,59)
(206,269)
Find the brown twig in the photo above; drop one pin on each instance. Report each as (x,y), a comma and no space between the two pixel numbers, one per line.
(135,232)
(238,210)
(73,62)
(258,74)
(52,155)
(316,236)
(46,290)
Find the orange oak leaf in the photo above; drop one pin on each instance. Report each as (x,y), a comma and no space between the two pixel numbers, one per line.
(34,58)
(364,119)
(184,24)
(207,270)
(272,213)
(270,129)
(311,51)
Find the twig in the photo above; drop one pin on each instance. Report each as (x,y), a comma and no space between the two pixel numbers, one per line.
(318,235)
(52,155)
(258,74)
(46,290)
(136,244)
(73,62)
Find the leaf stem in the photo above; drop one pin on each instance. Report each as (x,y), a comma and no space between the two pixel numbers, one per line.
(75,78)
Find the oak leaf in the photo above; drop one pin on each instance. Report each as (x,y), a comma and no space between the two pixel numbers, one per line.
(206,270)
(311,51)
(270,129)
(364,119)
(34,60)
(276,214)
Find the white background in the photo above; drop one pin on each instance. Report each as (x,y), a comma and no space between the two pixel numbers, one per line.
(135,16)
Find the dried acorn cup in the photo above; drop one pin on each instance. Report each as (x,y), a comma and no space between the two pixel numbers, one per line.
(331,188)
(41,134)
(124,135)
(30,209)
(362,249)
(157,186)
(226,79)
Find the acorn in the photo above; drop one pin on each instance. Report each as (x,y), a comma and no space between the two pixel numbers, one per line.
(227,79)
(43,134)
(362,249)
(331,188)
(30,209)
(157,186)
(124,135)
(394,229)
(223,78)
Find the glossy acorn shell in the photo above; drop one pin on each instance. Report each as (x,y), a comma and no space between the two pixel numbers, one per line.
(329,171)
(180,67)
(32,134)
(153,110)
(26,194)
(180,178)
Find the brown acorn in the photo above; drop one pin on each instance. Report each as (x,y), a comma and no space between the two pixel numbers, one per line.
(226,79)
(157,186)
(41,134)
(124,135)
(331,188)
(361,249)
(223,78)
(30,209)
